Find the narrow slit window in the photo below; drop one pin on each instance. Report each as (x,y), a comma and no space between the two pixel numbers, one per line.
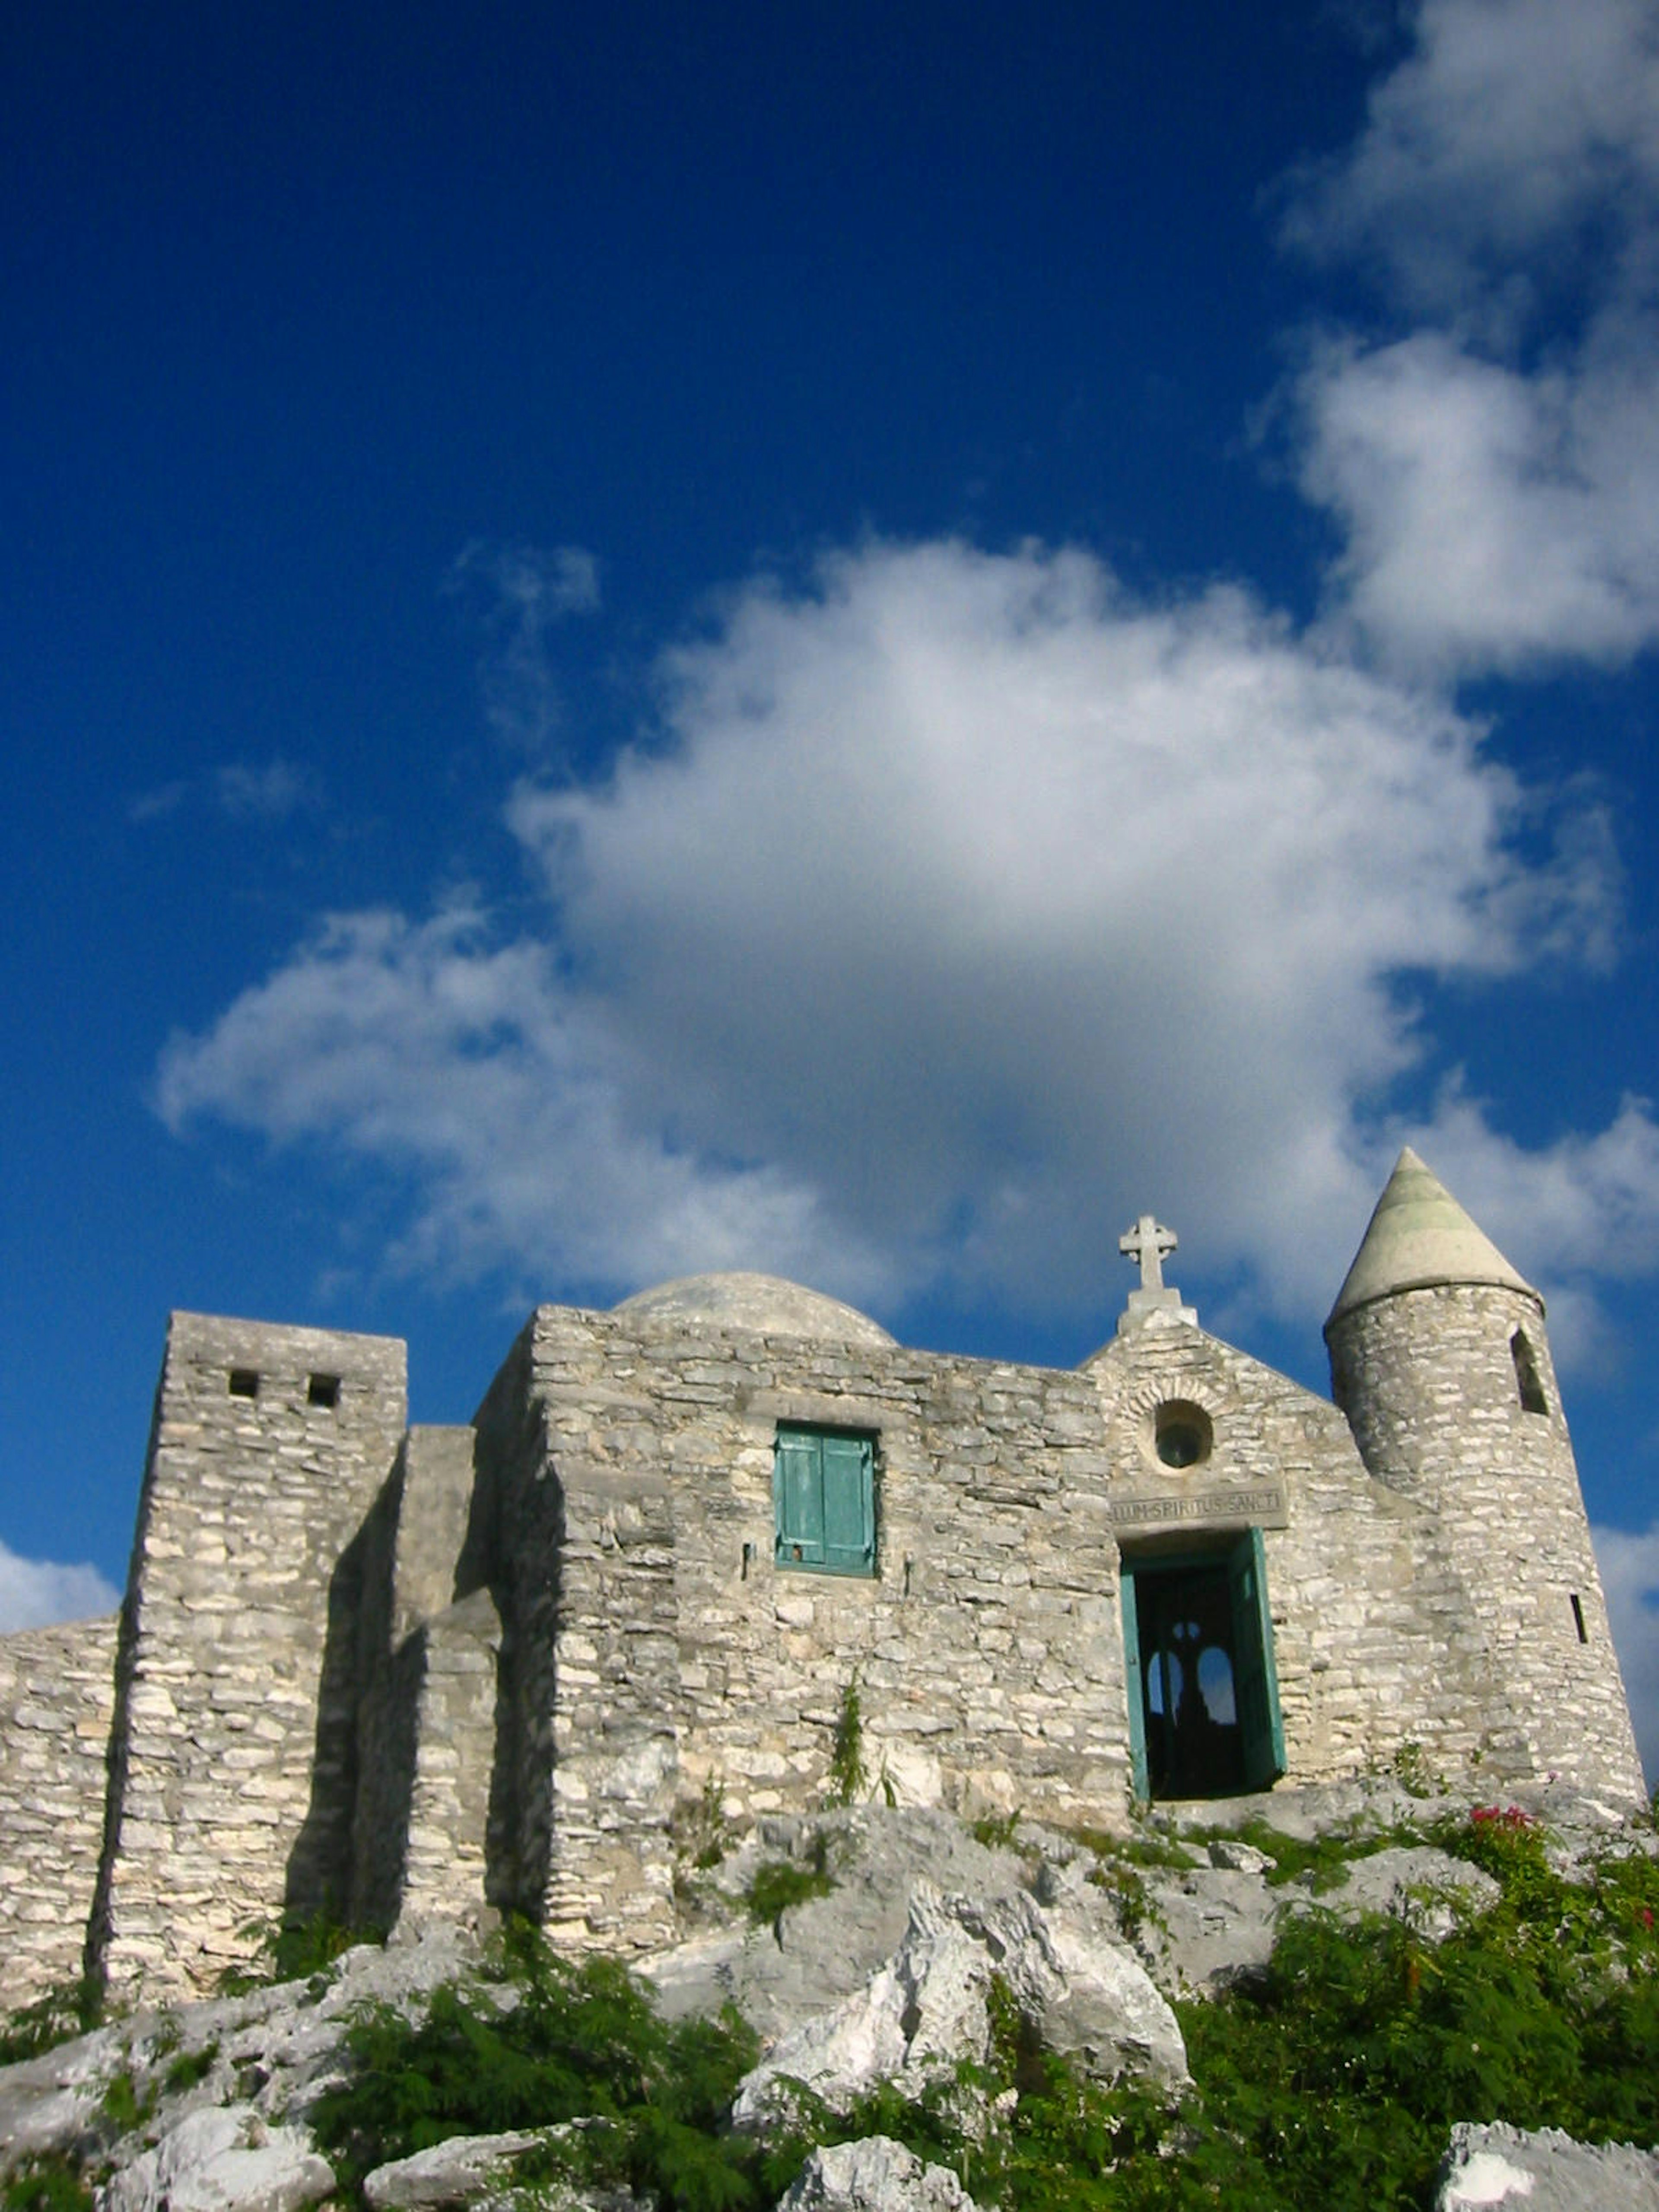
(323,1390)
(1531,1390)
(243,1383)
(1578,1619)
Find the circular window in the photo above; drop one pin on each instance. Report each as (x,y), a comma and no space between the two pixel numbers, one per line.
(1181,1435)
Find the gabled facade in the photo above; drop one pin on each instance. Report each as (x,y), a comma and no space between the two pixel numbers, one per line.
(393,1672)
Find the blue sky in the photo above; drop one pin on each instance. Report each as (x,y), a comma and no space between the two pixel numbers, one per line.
(858,641)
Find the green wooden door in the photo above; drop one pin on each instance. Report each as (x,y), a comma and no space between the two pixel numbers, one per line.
(1255,1678)
(1134,1674)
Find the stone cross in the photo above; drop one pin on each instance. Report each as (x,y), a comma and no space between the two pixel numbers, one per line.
(1148,1241)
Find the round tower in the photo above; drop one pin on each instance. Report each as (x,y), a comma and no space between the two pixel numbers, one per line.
(1440,1360)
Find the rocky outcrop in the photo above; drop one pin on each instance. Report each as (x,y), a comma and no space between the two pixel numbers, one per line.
(274,2050)
(928,2008)
(783,1971)
(223,2158)
(1544,2171)
(451,2172)
(875,2175)
(931,1948)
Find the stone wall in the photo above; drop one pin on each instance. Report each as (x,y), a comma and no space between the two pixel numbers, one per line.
(237,1675)
(669,1653)
(1371,1624)
(414,1554)
(445,1872)
(1430,1381)
(56,1696)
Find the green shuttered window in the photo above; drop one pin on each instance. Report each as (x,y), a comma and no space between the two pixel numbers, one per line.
(824,1487)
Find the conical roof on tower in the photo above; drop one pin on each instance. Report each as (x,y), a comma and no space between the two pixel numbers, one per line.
(1420,1238)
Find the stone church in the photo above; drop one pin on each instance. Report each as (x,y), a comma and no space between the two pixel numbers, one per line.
(393,1672)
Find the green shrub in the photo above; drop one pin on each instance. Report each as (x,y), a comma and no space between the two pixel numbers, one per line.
(995,1830)
(297,1949)
(776,1884)
(565,2042)
(50,2183)
(848,1776)
(188,2069)
(71,2009)
(122,2105)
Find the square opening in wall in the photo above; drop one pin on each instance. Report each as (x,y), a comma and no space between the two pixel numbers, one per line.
(243,1383)
(323,1390)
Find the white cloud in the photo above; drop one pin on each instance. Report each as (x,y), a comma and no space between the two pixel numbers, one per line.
(269,793)
(431,1047)
(155,805)
(35,1593)
(522,592)
(1495,471)
(1629,1577)
(1515,139)
(956,887)
(1492,519)
(242,791)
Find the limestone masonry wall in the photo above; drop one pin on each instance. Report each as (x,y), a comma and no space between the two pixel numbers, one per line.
(236,1674)
(1429,1379)
(1362,1609)
(57,1699)
(988,1642)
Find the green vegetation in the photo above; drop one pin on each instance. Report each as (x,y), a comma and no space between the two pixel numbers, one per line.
(1330,2078)
(1412,1770)
(995,1830)
(701,1832)
(562,2042)
(1319,1862)
(776,1884)
(71,2009)
(848,1775)
(188,2069)
(1139,1850)
(294,1950)
(123,2106)
(52,2184)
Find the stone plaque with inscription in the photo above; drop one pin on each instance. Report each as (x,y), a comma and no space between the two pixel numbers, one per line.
(1261,1505)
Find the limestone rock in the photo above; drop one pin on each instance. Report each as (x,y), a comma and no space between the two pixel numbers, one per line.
(49,2104)
(1545,2170)
(827,1949)
(926,2010)
(1419,1883)
(1205,1926)
(451,2172)
(876,2175)
(471,2169)
(222,2158)
(1234,1857)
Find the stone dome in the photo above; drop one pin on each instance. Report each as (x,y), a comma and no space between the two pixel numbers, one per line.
(765,1304)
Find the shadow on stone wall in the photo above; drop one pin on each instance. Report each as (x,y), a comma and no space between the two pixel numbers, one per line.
(318,1882)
